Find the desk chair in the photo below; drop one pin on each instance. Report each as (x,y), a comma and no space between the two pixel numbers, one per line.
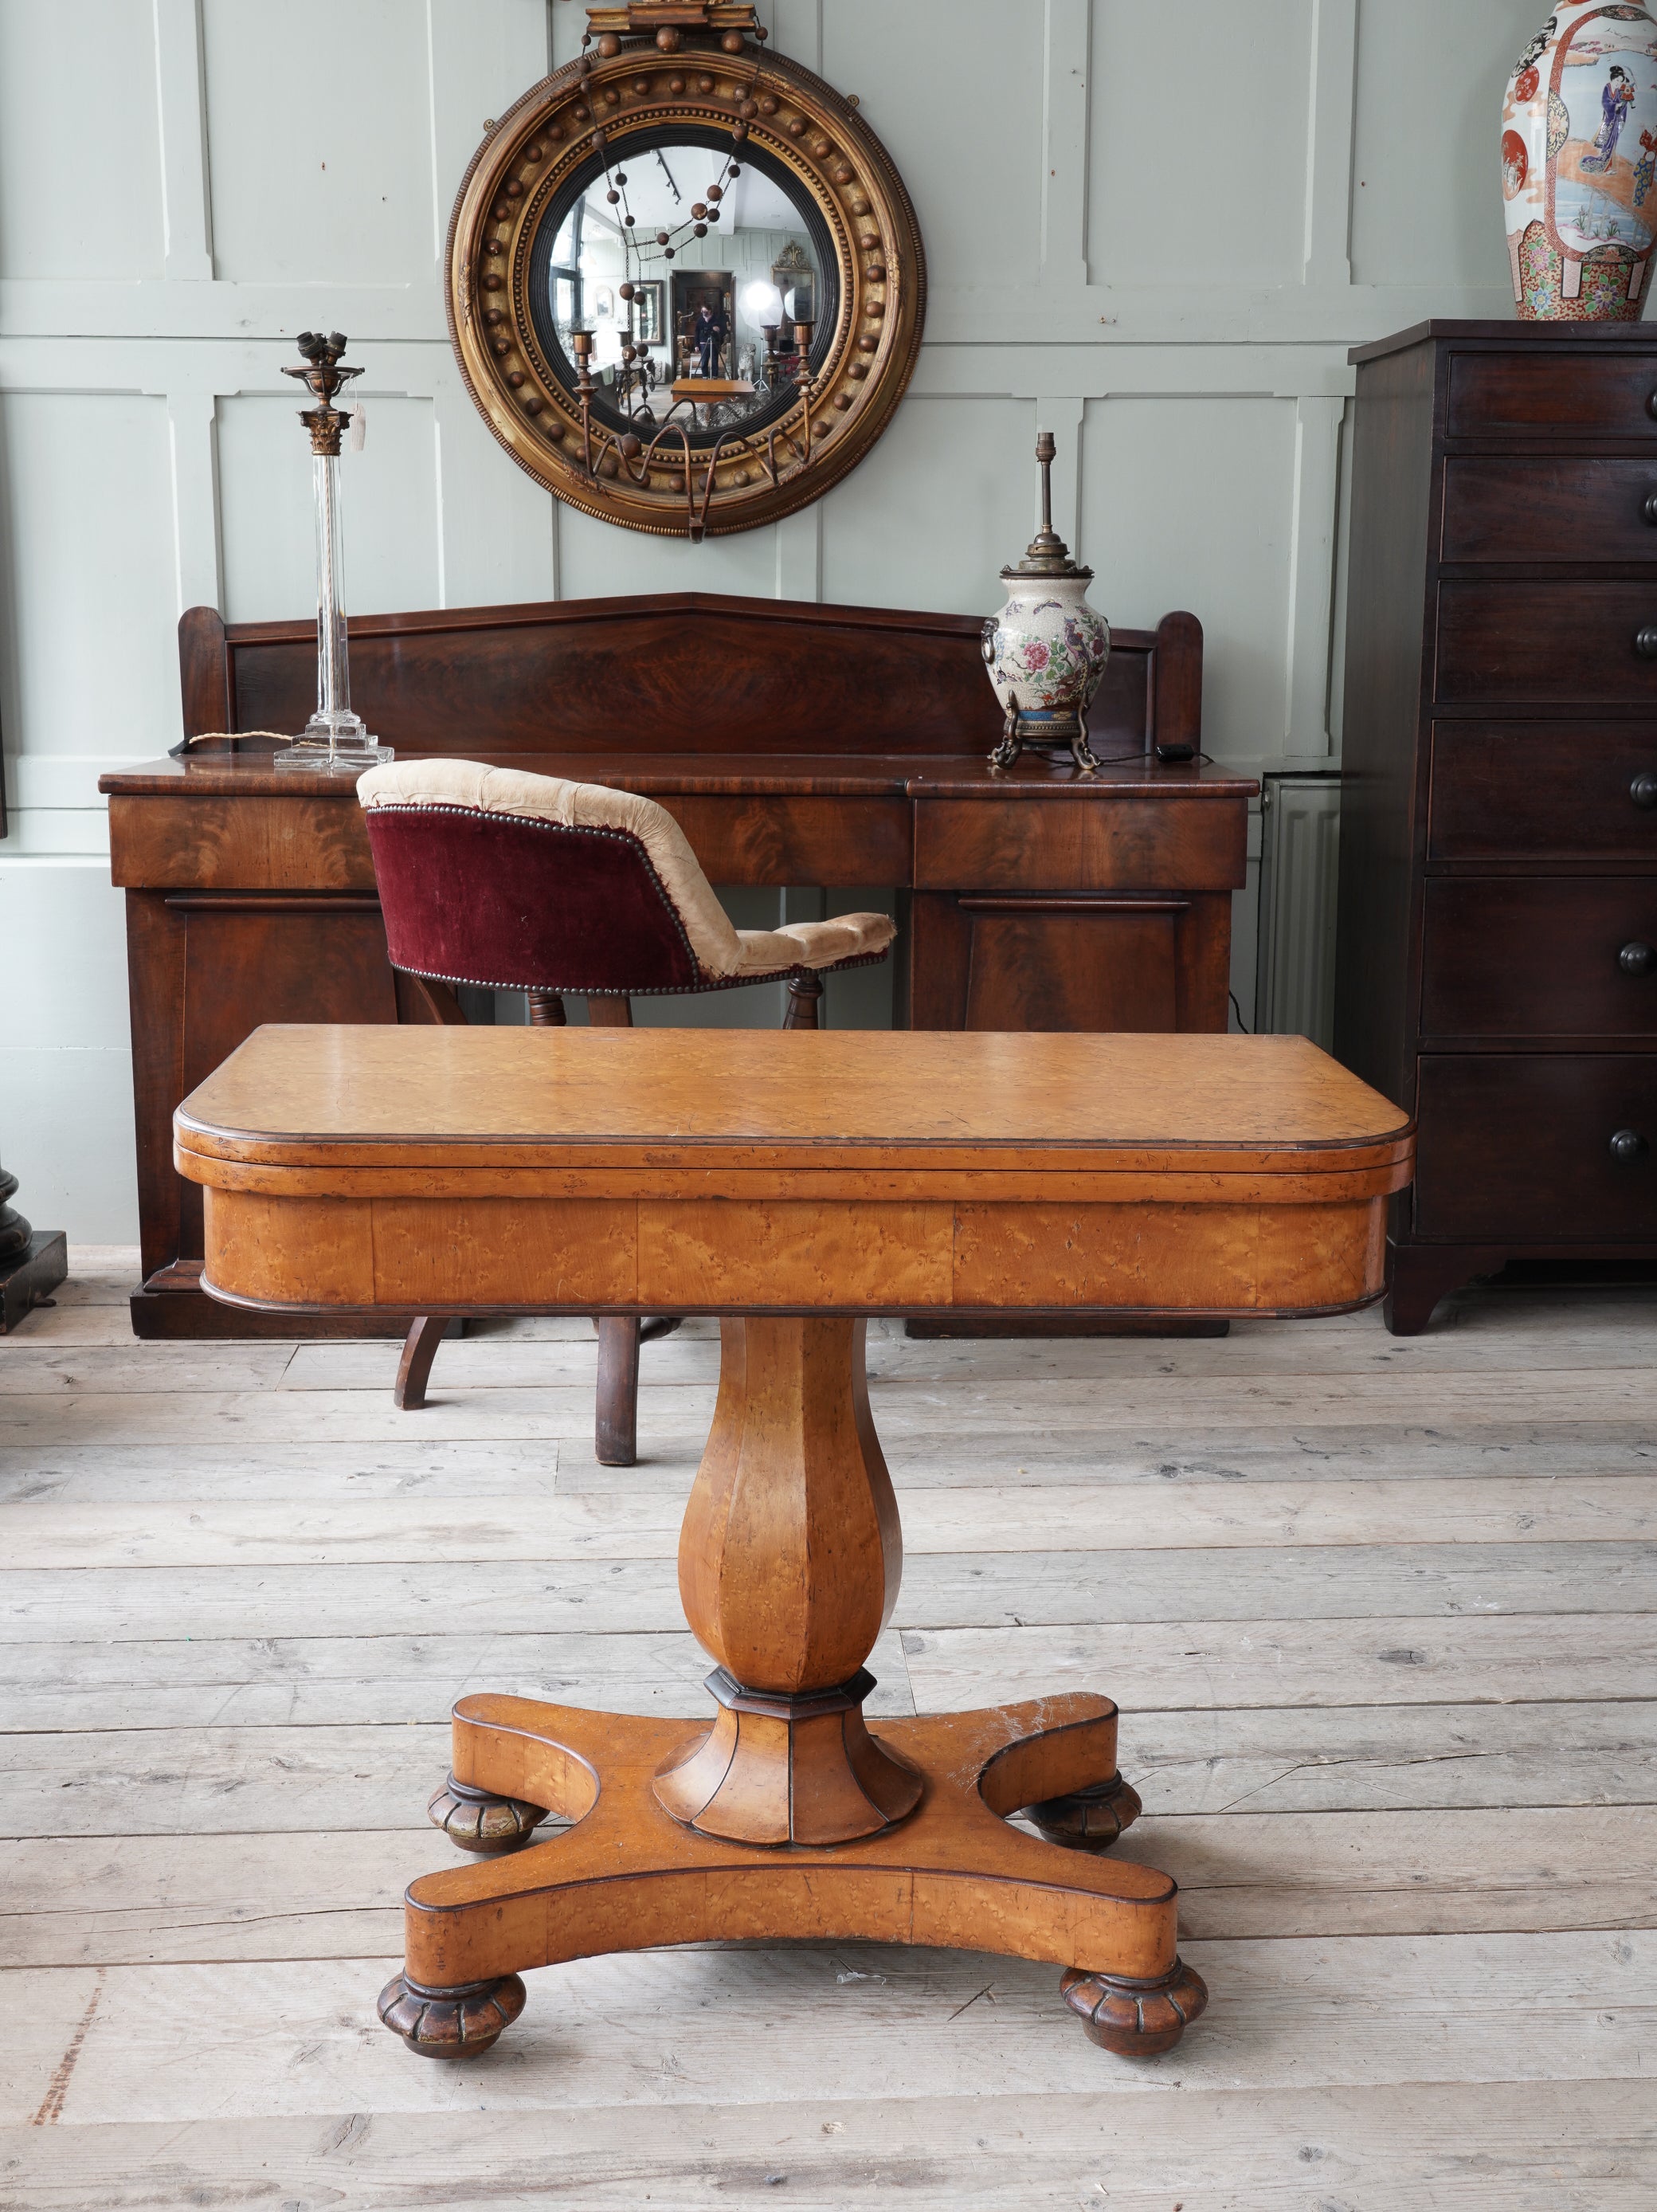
(526,883)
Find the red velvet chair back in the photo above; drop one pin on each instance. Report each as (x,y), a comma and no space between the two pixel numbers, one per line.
(501,901)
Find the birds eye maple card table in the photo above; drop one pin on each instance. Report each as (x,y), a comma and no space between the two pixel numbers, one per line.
(793,1185)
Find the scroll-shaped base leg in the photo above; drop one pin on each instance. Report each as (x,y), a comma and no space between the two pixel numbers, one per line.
(627,1876)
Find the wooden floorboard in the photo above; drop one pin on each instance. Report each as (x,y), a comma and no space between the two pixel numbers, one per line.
(1379,1614)
(1539,2147)
(332,1892)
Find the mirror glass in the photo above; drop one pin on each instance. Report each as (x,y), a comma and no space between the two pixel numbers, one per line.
(693,266)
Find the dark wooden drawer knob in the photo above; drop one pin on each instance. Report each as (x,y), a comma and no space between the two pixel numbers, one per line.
(1649,510)
(1636,959)
(1626,1146)
(1643,789)
(1645,642)
(1651,404)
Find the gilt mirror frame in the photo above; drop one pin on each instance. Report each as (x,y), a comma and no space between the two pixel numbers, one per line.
(702,68)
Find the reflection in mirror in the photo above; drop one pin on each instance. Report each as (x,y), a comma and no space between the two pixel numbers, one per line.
(689,281)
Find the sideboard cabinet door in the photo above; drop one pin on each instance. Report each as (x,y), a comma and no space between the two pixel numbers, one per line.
(205,969)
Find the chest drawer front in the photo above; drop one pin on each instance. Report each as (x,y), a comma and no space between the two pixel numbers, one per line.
(1544,791)
(1550,640)
(1516,1148)
(1606,394)
(1520,958)
(1570,507)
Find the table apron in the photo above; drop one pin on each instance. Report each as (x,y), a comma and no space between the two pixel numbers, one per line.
(705,1254)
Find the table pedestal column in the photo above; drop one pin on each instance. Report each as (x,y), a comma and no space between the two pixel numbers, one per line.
(789,1564)
(788,1818)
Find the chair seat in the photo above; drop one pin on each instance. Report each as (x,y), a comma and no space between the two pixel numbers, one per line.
(815,944)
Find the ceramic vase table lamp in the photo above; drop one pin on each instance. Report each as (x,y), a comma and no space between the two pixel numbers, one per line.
(334,741)
(1579,165)
(1046,649)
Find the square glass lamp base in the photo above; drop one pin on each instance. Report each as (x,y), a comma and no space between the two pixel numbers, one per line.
(333,745)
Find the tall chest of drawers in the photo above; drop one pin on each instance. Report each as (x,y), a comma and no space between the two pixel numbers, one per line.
(1497,972)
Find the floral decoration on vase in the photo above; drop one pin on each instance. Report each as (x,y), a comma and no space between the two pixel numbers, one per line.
(1579,158)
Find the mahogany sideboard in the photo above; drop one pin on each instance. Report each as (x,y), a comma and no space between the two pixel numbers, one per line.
(1498,965)
(796,745)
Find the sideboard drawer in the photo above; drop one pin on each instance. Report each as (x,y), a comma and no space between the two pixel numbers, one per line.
(1535,790)
(1516,957)
(1606,396)
(1516,1149)
(1527,640)
(1130,844)
(1549,507)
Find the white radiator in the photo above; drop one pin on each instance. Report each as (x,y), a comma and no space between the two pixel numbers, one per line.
(1300,856)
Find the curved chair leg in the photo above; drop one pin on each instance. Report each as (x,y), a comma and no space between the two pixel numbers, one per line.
(804,1003)
(615,1424)
(414,1369)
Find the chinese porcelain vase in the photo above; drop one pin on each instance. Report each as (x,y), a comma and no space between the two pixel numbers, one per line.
(1579,158)
(1046,649)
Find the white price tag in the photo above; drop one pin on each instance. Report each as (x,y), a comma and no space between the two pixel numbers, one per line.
(359,426)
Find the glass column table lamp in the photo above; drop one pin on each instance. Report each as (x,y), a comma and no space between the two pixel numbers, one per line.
(334,741)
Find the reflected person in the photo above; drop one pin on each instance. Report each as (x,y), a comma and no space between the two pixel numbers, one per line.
(708,336)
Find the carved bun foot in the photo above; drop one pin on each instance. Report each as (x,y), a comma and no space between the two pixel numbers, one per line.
(456,2023)
(1135,2020)
(1088,1819)
(479,1821)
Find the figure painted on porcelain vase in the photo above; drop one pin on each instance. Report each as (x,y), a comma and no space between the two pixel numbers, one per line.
(1582,94)
(1615,101)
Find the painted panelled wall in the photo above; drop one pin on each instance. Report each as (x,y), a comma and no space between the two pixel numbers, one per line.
(1154,229)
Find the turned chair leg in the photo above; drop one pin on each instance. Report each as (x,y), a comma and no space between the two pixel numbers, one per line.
(616,1423)
(414,1369)
(546,1010)
(804,1003)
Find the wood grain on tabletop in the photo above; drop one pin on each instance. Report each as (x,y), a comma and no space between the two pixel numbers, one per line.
(295,1092)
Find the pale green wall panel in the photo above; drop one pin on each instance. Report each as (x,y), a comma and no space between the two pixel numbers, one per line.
(80,145)
(1187,503)
(1426,189)
(598,558)
(944,501)
(956,97)
(320,137)
(1196,152)
(88,593)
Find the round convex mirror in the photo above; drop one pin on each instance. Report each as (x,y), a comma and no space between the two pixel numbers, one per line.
(685,283)
(694,276)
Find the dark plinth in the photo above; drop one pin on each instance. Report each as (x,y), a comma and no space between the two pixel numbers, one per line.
(29,1278)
